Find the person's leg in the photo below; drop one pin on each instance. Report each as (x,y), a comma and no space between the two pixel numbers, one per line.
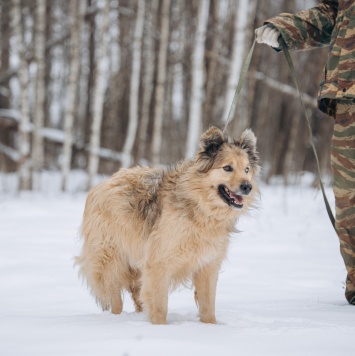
(343,166)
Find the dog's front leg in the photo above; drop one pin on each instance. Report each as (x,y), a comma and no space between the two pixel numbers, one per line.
(205,281)
(154,292)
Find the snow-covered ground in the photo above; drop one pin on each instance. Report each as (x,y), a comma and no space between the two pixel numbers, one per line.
(281,292)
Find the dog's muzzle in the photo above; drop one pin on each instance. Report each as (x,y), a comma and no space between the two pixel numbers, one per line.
(235,199)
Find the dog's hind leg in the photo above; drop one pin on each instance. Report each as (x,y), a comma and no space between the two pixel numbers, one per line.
(135,293)
(205,281)
(105,281)
(107,291)
(135,288)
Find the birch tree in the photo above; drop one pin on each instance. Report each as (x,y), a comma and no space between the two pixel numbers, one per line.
(99,94)
(197,68)
(210,95)
(160,85)
(72,88)
(90,30)
(24,147)
(239,32)
(149,62)
(134,87)
(6,164)
(39,111)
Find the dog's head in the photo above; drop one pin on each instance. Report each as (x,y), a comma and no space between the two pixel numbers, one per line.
(230,167)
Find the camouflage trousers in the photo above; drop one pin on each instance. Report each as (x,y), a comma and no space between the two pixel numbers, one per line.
(343,166)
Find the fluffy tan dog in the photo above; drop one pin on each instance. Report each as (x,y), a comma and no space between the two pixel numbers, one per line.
(147,230)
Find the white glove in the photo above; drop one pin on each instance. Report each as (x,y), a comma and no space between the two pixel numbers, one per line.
(268,35)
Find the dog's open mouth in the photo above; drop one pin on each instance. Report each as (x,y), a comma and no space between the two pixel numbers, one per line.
(229,197)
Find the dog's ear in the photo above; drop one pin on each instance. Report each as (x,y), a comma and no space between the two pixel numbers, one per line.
(248,143)
(211,141)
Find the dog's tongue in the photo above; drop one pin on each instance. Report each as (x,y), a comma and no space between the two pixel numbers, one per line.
(237,198)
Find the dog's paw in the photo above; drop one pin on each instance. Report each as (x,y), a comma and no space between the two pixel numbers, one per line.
(159,321)
(208,319)
(158,318)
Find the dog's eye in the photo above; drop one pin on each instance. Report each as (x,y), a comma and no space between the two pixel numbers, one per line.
(228,168)
(247,170)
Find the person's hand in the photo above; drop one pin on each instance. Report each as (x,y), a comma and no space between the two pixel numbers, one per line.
(267,35)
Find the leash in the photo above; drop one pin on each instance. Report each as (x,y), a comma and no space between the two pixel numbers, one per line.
(241,80)
(293,74)
(243,75)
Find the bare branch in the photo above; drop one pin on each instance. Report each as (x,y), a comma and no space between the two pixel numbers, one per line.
(284,88)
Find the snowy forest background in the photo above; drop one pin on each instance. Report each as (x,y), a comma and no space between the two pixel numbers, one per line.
(95,85)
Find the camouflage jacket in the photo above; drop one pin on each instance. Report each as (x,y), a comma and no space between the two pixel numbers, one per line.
(330,23)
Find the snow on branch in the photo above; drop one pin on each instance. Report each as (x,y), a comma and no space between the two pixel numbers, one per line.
(53,135)
(106,153)
(8,75)
(10,114)
(4,91)
(10,152)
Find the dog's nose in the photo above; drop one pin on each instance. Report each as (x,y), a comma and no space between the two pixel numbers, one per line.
(246,188)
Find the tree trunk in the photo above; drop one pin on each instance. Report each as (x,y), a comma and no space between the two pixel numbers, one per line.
(239,29)
(24,166)
(248,91)
(7,127)
(99,95)
(39,111)
(134,88)
(72,88)
(148,84)
(197,68)
(212,66)
(160,86)
(90,77)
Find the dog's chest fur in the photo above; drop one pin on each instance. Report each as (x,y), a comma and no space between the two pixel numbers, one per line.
(191,239)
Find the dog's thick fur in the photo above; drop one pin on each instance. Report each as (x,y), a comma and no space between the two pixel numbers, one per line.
(147,230)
